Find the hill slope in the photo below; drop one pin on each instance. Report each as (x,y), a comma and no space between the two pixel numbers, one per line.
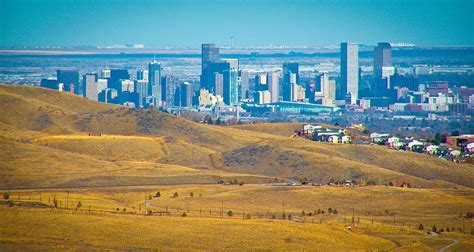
(45,133)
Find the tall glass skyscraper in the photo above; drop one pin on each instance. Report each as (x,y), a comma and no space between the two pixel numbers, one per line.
(154,81)
(288,69)
(350,71)
(209,55)
(383,60)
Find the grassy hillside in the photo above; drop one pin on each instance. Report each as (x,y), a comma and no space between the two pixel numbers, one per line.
(55,127)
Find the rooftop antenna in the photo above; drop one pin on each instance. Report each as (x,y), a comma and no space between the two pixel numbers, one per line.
(231,42)
(154,57)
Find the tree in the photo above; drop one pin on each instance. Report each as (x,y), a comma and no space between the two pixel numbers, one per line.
(248,216)
(329,210)
(79,205)
(241,183)
(149,197)
(191,194)
(158,194)
(6,196)
(303,213)
(208,119)
(230,213)
(218,121)
(390,183)
(124,209)
(184,214)
(334,211)
(117,209)
(434,229)
(175,195)
(455,133)
(289,217)
(421,227)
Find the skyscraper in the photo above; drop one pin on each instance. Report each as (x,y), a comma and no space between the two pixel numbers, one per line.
(169,83)
(219,84)
(231,87)
(350,70)
(141,90)
(154,81)
(243,84)
(209,55)
(186,94)
(89,85)
(288,69)
(273,80)
(70,79)
(383,60)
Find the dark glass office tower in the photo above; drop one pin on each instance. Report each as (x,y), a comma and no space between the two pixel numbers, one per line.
(70,79)
(115,76)
(154,81)
(209,55)
(288,69)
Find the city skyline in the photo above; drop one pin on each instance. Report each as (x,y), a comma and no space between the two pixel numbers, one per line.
(186,24)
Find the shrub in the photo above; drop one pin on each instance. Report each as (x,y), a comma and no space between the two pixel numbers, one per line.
(434,229)
(241,183)
(124,209)
(230,213)
(329,210)
(149,212)
(421,227)
(191,194)
(303,213)
(11,204)
(334,211)
(390,183)
(248,216)
(150,197)
(175,195)
(117,209)
(289,217)
(158,194)
(6,196)
(79,205)
(184,214)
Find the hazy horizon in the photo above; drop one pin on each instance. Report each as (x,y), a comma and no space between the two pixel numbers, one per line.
(186,23)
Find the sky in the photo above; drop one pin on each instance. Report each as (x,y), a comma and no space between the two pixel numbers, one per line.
(187,23)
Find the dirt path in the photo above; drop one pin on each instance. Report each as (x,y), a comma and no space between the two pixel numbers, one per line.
(453,242)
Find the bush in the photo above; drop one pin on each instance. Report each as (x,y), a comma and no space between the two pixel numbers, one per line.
(434,229)
(175,195)
(184,214)
(303,213)
(158,194)
(329,210)
(334,211)
(191,194)
(390,183)
(241,183)
(149,212)
(248,216)
(79,205)
(421,227)
(150,197)
(11,204)
(124,210)
(117,209)
(6,196)
(230,213)
(289,217)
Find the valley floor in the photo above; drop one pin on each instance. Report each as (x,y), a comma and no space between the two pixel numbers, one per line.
(385,218)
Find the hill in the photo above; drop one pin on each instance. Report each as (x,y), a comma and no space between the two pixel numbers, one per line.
(71,140)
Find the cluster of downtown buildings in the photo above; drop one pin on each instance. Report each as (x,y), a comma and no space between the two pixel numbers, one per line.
(224,87)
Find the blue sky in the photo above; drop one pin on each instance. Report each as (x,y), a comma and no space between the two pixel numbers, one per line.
(258,22)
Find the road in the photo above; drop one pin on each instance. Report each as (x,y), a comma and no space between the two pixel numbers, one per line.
(443,249)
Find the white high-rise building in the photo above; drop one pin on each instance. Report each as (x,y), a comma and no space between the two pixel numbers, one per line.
(273,80)
(350,70)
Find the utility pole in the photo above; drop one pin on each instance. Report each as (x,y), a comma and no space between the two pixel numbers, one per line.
(222,210)
(353,218)
(67,200)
